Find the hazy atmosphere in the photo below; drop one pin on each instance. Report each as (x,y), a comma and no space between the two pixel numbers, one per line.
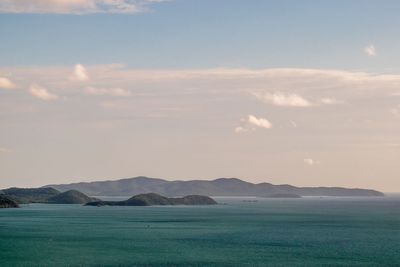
(266,91)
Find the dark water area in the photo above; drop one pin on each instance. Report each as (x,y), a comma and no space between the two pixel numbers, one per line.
(238,232)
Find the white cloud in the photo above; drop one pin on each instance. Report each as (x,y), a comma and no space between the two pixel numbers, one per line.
(370,50)
(259,122)
(5,83)
(77,7)
(107,91)
(251,123)
(311,162)
(285,100)
(241,129)
(80,73)
(41,93)
(293,100)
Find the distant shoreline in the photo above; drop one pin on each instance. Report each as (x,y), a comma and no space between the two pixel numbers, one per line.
(217,187)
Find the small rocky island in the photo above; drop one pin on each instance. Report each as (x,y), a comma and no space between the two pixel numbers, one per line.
(152,199)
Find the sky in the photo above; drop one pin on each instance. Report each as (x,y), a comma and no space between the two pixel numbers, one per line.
(288,92)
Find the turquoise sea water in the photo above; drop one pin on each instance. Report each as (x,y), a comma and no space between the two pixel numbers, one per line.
(270,232)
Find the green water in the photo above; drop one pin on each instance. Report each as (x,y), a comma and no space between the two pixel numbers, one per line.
(277,232)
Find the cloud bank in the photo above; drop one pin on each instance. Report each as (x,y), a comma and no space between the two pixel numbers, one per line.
(297,88)
(77,7)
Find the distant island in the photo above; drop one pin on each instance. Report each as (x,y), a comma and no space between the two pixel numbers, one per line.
(152,199)
(71,197)
(12,197)
(29,195)
(152,191)
(42,195)
(218,187)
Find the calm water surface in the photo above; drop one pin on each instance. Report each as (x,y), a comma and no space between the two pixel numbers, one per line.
(269,232)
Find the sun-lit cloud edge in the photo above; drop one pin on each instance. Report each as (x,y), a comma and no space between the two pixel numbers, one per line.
(6,83)
(252,123)
(41,93)
(80,73)
(284,99)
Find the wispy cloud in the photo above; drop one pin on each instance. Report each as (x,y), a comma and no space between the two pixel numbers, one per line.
(301,88)
(41,93)
(285,100)
(5,83)
(77,7)
(370,50)
(396,111)
(107,91)
(329,101)
(80,73)
(293,100)
(283,80)
(311,162)
(251,123)
(5,150)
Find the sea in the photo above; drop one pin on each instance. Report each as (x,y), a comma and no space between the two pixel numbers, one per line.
(311,231)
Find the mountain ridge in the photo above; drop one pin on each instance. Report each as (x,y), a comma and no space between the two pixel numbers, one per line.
(217,187)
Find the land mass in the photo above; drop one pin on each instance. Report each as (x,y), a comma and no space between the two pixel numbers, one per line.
(218,187)
(153,199)
(44,195)
(30,195)
(71,197)
(6,202)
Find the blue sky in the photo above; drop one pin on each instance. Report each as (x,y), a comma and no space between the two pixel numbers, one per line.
(299,92)
(203,34)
